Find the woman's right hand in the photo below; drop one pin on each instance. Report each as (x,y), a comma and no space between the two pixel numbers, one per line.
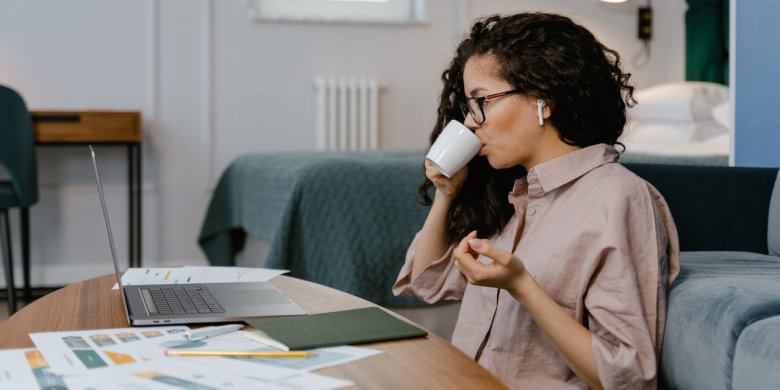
(446,187)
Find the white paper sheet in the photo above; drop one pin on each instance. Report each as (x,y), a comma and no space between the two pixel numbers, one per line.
(199,373)
(236,341)
(189,274)
(134,358)
(26,369)
(326,357)
(77,352)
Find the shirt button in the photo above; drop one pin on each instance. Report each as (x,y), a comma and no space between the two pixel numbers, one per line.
(531,211)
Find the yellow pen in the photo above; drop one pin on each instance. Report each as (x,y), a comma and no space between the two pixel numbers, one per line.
(204,353)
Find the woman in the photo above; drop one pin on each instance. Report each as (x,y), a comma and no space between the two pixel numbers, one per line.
(563,285)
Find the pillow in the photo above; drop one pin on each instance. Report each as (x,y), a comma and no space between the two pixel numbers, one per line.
(688,101)
(722,114)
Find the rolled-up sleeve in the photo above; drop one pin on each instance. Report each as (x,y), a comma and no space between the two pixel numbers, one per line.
(440,281)
(629,278)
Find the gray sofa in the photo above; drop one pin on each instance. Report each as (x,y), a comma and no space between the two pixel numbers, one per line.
(346,219)
(723,329)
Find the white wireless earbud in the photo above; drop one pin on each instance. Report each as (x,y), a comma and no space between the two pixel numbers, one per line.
(539,105)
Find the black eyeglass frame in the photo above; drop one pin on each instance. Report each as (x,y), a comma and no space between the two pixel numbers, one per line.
(466,108)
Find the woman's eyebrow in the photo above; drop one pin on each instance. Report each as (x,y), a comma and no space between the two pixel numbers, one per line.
(476,90)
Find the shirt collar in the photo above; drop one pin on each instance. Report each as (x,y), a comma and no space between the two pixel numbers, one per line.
(561,170)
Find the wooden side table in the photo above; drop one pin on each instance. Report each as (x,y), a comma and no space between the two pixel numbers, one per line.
(99,128)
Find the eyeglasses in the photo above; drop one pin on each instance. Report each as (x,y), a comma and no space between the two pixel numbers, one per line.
(476,105)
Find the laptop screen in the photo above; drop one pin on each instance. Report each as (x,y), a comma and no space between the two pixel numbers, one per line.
(105,216)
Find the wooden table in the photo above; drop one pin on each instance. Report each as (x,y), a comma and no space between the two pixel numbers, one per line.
(430,363)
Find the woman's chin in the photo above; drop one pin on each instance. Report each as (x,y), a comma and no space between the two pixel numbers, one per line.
(496,163)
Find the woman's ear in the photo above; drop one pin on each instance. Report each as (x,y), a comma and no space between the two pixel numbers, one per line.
(542,110)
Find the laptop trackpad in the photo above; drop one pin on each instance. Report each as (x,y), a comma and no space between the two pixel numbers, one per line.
(250,297)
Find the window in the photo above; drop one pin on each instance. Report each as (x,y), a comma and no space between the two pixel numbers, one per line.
(360,11)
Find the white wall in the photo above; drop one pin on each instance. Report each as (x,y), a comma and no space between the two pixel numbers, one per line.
(212,84)
(615,25)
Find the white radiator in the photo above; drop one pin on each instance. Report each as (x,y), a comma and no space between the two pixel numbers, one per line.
(346,113)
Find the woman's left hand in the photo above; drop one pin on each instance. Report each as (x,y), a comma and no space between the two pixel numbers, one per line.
(505,272)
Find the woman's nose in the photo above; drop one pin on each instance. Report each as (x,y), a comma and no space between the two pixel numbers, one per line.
(469,122)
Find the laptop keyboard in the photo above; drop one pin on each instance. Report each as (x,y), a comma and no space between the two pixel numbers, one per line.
(182,300)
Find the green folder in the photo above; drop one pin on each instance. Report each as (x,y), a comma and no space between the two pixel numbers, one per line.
(336,328)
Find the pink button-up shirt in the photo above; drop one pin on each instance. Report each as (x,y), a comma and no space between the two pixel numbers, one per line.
(602,243)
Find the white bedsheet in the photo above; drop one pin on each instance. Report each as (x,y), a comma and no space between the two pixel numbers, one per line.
(715,146)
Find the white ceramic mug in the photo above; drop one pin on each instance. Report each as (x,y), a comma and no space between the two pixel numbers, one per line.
(453,149)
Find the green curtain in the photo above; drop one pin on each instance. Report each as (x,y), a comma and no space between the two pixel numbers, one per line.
(707,41)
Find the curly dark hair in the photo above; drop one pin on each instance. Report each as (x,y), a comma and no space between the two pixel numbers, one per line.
(545,56)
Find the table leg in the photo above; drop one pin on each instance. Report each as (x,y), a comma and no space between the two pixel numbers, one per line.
(139,197)
(134,188)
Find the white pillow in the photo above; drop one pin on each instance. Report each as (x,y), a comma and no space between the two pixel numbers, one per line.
(687,101)
(722,114)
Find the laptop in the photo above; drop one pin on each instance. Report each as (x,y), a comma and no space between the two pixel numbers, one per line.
(194,303)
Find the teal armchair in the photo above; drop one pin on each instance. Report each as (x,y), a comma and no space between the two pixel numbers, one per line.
(20,189)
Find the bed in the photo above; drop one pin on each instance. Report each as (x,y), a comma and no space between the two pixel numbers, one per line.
(679,123)
(318,214)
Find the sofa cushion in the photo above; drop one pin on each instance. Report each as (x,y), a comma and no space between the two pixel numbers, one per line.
(757,357)
(774,220)
(715,297)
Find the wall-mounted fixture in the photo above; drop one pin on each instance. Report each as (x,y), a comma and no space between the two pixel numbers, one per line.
(645,23)
(644,31)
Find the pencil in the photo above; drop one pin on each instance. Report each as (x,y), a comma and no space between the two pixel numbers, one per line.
(274,354)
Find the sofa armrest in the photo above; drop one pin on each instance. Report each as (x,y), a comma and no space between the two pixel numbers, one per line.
(773,233)
(711,308)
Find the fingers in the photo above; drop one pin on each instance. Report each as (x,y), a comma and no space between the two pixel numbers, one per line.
(501,273)
(431,172)
(485,248)
(449,186)
(466,258)
(463,250)
(460,175)
(437,178)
